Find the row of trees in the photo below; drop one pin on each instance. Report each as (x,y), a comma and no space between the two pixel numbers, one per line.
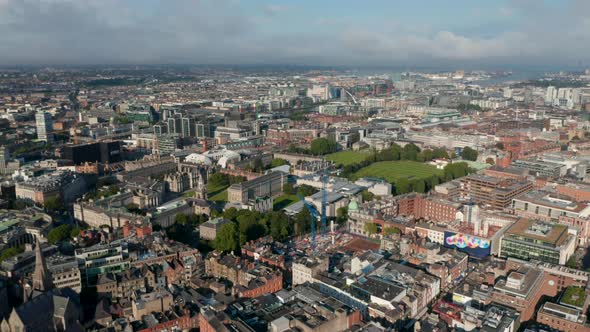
(469,154)
(249,225)
(62,233)
(302,190)
(372,228)
(10,252)
(322,146)
(102,193)
(450,172)
(224,180)
(395,153)
(319,147)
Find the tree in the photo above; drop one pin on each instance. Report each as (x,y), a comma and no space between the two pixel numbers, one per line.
(426,155)
(490,161)
(367,196)
(371,228)
(181,219)
(20,204)
(257,166)
(75,232)
(279,226)
(249,226)
(303,222)
(440,153)
(500,146)
(227,238)
(419,186)
(402,186)
(11,252)
(469,154)
(433,181)
(305,190)
(410,152)
(278,162)
(219,180)
(288,189)
(231,214)
(456,170)
(322,146)
(59,233)
(572,263)
(134,208)
(388,231)
(53,204)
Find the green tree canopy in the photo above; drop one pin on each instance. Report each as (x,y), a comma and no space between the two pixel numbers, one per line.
(59,233)
(419,186)
(387,231)
(288,189)
(219,180)
(440,153)
(231,214)
(410,152)
(251,225)
(303,222)
(227,238)
(371,228)
(53,204)
(280,228)
(75,232)
(278,162)
(402,186)
(322,146)
(10,252)
(306,190)
(181,219)
(456,170)
(367,196)
(469,154)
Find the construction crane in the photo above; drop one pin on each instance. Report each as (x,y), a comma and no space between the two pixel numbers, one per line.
(324,199)
(314,215)
(325,176)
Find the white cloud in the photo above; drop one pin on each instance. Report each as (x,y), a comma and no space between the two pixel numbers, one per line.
(217,31)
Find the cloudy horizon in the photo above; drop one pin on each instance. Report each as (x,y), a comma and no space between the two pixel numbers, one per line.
(301,32)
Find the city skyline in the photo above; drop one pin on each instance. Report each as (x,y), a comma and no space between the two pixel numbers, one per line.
(328,33)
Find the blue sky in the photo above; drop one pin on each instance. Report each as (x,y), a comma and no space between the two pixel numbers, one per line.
(312,32)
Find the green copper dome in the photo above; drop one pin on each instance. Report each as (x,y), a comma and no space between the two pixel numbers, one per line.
(353,206)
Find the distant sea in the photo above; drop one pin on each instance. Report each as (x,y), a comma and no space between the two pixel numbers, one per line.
(517,76)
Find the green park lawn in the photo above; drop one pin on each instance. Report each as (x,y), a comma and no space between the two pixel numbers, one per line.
(391,171)
(348,157)
(283,201)
(217,193)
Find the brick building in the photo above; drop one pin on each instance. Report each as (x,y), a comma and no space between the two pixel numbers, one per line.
(429,207)
(495,192)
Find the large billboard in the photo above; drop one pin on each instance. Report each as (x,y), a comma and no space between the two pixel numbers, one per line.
(469,244)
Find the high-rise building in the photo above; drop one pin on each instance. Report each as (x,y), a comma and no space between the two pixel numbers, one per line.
(4,157)
(160,129)
(188,127)
(167,144)
(550,95)
(174,125)
(44,126)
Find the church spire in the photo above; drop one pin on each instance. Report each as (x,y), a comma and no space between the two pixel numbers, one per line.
(42,280)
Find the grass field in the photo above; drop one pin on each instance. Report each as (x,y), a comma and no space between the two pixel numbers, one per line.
(216,193)
(391,171)
(348,157)
(283,201)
